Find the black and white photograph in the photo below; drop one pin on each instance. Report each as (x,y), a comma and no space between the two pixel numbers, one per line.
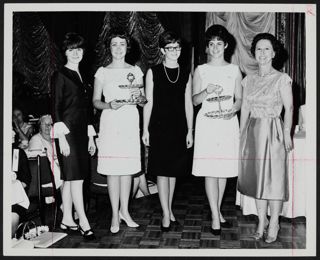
(159,129)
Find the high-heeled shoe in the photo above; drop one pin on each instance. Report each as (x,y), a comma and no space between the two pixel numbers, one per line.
(226,224)
(215,232)
(165,229)
(88,234)
(114,229)
(257,235)
(129,223)
(65,227)
(175,222)
(271,239)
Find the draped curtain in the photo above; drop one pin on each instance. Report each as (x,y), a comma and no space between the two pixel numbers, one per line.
(290,30)
(143,27)
(243,26)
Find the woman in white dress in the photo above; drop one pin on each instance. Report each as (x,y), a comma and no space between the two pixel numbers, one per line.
(217,138)
(119,139)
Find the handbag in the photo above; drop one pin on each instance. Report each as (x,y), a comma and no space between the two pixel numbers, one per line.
(39,236)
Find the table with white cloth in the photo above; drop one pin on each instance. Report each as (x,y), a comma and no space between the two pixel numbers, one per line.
(296,204)
(18,195)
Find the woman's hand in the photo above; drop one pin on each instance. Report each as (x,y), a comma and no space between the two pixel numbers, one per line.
(145,138)
(64,146)
(287,141)
(230,115)
(91,146)
(189,139)
(135,92)
(115,105)
(212,88)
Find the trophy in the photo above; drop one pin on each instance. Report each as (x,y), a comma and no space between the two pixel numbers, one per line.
(221,113)
(133,99)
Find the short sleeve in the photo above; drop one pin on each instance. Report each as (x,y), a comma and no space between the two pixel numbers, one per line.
(99,74)
(245,102)
(285,81)
(244,81)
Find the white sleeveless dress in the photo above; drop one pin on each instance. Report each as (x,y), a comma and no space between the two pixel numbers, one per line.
(119,138)
(216,142)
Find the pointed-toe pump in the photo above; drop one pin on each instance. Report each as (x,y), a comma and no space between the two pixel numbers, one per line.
(129,223)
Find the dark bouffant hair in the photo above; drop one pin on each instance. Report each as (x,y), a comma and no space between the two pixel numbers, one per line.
(118,32)
(217,31)
(265,36)
(73,40)
(281,55)
(168,37)
(221,33)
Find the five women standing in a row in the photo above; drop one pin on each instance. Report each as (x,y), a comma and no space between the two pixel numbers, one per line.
(168,127)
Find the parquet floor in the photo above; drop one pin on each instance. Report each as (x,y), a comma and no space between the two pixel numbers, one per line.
(191,210)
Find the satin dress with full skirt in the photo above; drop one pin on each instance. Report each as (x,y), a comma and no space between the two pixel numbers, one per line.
(263,165)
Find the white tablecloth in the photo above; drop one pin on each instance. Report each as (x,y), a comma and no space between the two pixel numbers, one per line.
(19,195)
(296,205)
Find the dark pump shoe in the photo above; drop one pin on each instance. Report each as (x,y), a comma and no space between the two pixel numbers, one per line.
(226,224)
(88,234)
(165,229)
(215,232)
(175,223)
(67,228)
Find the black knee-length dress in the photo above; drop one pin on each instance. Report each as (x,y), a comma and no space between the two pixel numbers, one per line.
(73,106)
(168,124)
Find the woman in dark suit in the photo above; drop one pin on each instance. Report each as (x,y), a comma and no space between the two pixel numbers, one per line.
(72,112)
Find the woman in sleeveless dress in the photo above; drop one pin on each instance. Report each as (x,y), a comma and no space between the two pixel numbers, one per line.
(215,85)
(168,119)
(119,139)
(72,114)
(265,140)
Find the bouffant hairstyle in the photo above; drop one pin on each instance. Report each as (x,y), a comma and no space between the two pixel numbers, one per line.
(73,40)
(118,32)
(217,31)
(281,55)
(168,37)
(265,36)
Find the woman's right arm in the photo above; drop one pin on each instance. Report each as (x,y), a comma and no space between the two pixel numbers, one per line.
(96,99)
(147,109)
(197,95)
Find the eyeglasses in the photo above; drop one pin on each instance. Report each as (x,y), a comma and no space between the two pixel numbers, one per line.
(171,49)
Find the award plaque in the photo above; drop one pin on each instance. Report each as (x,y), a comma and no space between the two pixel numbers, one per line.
(133,100)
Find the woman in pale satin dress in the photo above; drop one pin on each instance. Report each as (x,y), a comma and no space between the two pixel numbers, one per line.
(265,140)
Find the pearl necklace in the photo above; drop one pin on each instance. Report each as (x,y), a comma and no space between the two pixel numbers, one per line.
(165,71)
(265,75)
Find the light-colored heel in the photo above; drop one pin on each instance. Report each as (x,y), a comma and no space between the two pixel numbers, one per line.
(129,223)
(114,229)
(271,239)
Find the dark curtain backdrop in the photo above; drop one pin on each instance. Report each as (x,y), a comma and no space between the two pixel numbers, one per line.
(290,30)
(37,37)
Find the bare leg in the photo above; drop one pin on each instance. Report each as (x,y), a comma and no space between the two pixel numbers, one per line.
(143,185)
(125,186)
(275,211)
(67,218)
(222,186)
(212,190)
(114,195)
(262,207)
(163,190)
(136,183)
(172,184)
(14,223)
(77,198)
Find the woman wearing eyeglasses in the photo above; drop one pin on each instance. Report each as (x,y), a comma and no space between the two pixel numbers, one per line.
(168,118)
